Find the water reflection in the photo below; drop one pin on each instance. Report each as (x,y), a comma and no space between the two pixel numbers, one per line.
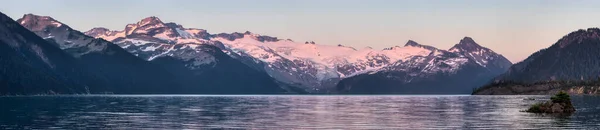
(278,112)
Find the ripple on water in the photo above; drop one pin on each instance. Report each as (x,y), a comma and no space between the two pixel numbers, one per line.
(289,112)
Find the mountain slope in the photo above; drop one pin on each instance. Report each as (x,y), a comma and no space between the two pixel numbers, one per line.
(571,64)
(30,65)
(224,75)
(573,57)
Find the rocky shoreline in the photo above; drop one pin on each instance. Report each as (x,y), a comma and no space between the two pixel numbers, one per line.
(540,88)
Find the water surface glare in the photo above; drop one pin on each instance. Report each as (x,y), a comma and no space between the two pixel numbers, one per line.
(288,112)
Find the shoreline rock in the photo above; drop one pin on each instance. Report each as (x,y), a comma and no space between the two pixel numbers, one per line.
(560,103)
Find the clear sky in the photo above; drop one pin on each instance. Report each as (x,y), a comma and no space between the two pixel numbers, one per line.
(513,28)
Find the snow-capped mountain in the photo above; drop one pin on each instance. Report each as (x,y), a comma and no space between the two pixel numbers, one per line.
(151,38)
(435,72)
(483,56)
(196,69)
(110,68)
(307,65)
(431,60)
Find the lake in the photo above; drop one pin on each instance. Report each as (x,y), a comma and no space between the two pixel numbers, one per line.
(288,112)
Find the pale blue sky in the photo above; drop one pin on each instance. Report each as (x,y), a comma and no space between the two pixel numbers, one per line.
(514,28)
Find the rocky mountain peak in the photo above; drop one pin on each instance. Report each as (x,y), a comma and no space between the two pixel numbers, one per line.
(481,55)
(153,20)
(412,43)
(467,40)
(34,17)
(37,22)
(148,26)
(97,31)
(415,44)
(466,44)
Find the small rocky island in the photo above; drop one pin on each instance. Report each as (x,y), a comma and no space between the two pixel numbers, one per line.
(559,104)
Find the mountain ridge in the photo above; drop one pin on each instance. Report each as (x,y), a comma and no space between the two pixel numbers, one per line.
(206,67)
(307,65)
(292,66)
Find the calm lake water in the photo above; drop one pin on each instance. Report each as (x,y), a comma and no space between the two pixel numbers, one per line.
(288,112)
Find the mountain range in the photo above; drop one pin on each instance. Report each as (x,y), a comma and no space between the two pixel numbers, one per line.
(151,56)
(462,68)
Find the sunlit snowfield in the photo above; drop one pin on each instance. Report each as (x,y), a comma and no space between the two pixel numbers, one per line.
(287,112)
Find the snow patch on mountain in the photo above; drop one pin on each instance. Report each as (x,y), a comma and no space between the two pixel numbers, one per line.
(403,53)
(183,33)
(136,42)
(150,48)
(56,24)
